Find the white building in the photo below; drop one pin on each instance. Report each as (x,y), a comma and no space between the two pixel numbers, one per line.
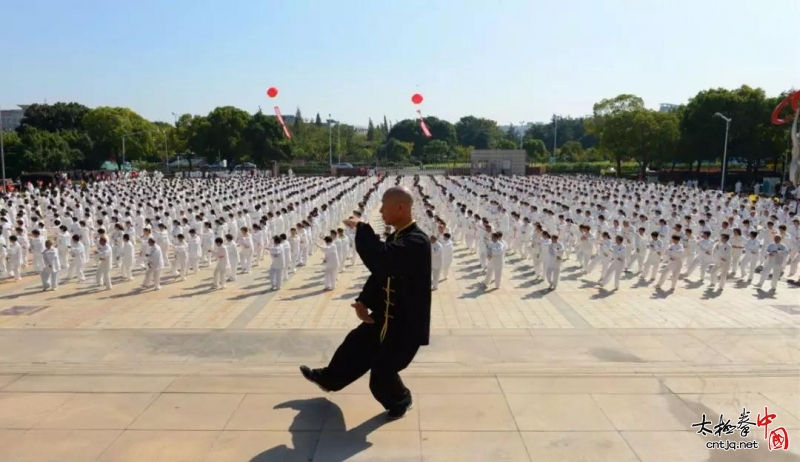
(666,107)
(12,118)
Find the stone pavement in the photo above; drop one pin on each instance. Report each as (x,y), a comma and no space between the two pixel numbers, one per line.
(517,374)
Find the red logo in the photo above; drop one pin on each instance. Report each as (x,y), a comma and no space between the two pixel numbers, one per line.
(778,438)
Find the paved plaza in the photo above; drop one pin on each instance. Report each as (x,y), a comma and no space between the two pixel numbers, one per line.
(515,374)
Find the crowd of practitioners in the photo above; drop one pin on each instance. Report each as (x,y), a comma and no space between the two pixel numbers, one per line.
(609,227)
(157,228)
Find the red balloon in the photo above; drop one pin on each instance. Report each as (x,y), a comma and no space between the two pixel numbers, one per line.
(416,98)
(272,92)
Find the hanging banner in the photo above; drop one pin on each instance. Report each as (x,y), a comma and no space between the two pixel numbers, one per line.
(283,124)
(423,125)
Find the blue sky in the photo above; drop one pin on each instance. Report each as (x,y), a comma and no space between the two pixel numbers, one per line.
(510,60)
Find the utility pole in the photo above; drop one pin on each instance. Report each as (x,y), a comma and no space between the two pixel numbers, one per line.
(330,143)
(2,150)
(555,134)
(725,149)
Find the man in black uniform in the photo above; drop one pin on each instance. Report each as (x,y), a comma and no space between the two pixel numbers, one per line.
(394,308)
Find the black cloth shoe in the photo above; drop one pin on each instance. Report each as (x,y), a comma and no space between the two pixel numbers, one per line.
(312,376)
(398,412)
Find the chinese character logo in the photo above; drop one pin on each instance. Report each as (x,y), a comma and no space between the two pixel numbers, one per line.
(778,438)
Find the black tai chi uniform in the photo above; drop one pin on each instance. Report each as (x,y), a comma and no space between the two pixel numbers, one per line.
(398,295)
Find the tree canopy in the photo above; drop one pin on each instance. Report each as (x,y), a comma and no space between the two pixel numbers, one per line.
(69,135)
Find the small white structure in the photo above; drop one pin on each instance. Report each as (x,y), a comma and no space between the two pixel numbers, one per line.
(498,162)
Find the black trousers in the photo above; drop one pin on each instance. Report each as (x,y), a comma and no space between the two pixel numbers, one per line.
(362,351)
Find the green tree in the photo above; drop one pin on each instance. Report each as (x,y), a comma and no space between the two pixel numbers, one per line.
(262,137)
(536,150)
(370,131)
(55,117)
(611,111)
(298,123)
(513,135)
(409,131)
(504,143)
(47,151)
(572,151)
(703,134)
(479,132)
(436,151)
(318,121)
(12,144)
(106,126)
(226,131)
(398,151)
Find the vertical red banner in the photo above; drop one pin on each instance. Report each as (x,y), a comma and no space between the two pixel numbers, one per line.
(283,124)
(423,125)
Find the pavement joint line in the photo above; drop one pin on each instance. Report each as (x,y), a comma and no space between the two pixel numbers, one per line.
(568,312)
(251,311)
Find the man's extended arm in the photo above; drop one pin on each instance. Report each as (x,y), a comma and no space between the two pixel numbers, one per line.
(392,258)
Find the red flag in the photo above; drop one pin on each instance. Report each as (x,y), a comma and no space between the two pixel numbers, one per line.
(423,126)
(283,124)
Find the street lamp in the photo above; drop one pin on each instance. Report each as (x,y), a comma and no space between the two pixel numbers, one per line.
(2,150)
(176,118)
(725,150)
(521,133)
(139,133)
(330,143)
(555,133)
(330,140)
(166,151)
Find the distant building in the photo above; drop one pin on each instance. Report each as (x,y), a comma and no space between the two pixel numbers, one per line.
(496,162)
(12,118)
(665,107)
(518,128)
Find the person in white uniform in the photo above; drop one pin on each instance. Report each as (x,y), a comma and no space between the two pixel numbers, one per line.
(155,263)
(220,255)
(777,253)
(77,254)
(127,258)
(617,264)
(722,261)
(102,277)
(672,269)
(554,261)
(436,262)
(52,266)
(331,262)
(447,255)
(496,261)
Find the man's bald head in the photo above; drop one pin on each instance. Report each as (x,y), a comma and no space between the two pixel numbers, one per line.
(399,195)
(396,207)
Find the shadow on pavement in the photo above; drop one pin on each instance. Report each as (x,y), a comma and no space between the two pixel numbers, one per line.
(346,444)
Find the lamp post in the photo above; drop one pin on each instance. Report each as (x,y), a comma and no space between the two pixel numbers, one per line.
(330,143)
(2,151)
(166,150)
(139,133)
(555,133)
(330,140)
(521,133)
(725,150)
